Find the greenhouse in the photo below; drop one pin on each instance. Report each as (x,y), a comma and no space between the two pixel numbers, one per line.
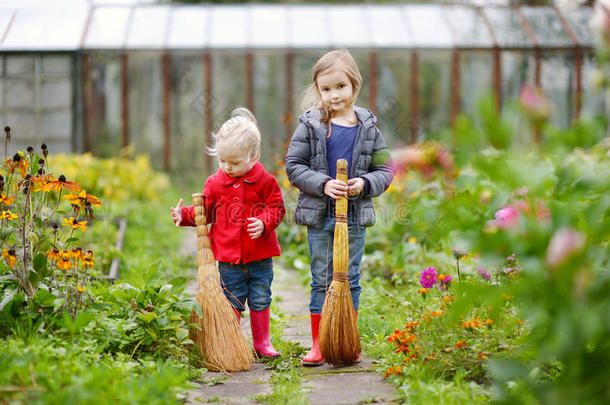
(99,75)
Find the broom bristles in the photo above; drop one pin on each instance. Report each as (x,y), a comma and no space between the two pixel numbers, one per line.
(220,339)
(339,339)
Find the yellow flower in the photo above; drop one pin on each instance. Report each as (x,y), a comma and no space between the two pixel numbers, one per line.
(8,215)
(80,288)
(17,161)
(6,200)
(40,181)
(422,291)
(412,240)
(88,259)
(82,198)
(75,224)
(9,257)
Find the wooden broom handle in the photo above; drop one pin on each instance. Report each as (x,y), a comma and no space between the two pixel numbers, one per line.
(341,241)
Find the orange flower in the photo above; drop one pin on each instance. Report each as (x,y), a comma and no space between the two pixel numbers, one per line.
(53,255)
(506,296)
(460,343)
(80,288)
(75,224)
(76,253)
(60,183)
(6,200)
(64,264)
(40,181)
(88,259)
(422,291)
(481,355)
(488,322)
(17,161)
(9,257)
(447,299)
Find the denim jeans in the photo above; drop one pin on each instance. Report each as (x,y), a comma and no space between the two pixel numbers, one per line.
(247,282)
(320,241)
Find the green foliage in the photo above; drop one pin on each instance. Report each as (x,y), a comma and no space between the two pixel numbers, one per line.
(114,179)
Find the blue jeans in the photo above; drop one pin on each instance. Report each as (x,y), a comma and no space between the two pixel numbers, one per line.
(249,281)
(321,250)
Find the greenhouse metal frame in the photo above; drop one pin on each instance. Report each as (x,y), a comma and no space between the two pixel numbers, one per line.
(86,32)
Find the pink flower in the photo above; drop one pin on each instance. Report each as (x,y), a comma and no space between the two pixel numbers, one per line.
(507,217)
(534,102)
(564,244)
(444,281)
(483,273)
(428,277)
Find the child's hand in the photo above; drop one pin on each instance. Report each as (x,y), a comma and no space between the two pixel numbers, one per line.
(355,186)
(177,213)
(335,189)
(255,227)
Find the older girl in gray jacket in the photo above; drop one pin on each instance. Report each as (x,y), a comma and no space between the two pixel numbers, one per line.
(335,129)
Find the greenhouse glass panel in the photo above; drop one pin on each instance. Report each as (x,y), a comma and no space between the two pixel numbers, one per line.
(31,27)
(148,27)
(428,26)
(388,26)
(19,93)
(106,125)
(146,105)
(19,65)
(507,27)
(348,26)
(308,27)
(303,63)
(579,23)
(23,129)
(547,27)
(187,27)
(434,91)
(56,127)
(595,101)
(59,65)
(518,68)
(228,27)
(393,97)
(188,149)
(107,27)
(269,105)
(476,80)
(56,93)
(269,26)
(557,80)
(228,85)
(467,27)
(5,19)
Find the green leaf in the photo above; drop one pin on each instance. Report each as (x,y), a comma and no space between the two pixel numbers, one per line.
(44,298)
(7,297)
(147,316)
(40,262)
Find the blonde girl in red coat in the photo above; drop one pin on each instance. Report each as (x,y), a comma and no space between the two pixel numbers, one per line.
(244,205)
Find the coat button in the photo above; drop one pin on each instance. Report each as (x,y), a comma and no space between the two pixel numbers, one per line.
(235,185)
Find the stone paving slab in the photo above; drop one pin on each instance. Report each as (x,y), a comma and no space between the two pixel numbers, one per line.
(325,384)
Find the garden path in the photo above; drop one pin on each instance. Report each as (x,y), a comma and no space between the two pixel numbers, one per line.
(326,384)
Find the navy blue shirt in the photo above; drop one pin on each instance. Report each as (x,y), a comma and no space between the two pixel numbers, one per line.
(340,145)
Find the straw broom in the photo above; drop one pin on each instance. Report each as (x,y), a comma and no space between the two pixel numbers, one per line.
(339,340)
(220,339)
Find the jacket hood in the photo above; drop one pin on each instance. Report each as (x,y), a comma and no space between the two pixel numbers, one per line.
(312,117)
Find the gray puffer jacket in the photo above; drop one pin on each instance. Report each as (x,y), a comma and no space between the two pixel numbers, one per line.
(307,168)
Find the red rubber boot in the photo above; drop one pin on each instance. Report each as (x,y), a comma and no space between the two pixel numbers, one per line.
(314,357)
(259,323)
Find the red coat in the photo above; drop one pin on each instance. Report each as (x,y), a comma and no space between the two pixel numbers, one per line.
(231,200)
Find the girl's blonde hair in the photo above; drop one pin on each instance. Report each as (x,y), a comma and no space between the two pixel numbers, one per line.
(240,132)
(339,59)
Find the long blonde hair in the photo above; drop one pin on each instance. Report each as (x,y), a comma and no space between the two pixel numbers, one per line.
(339,59)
